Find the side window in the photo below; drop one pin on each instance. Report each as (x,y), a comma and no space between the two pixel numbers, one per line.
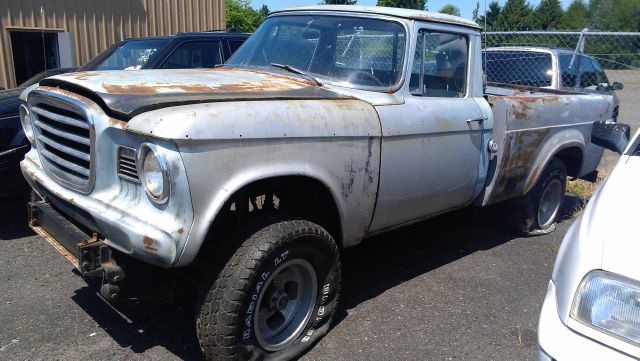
(234,45)
(569,72)
(600,74)
(588,75)
(194,54)
(440,65)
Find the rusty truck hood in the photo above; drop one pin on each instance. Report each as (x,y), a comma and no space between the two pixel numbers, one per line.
(126,93)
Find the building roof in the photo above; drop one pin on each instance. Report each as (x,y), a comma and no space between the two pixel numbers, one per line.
(380,10)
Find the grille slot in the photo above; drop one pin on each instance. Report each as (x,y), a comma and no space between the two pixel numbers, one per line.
(127,167)
(64,140)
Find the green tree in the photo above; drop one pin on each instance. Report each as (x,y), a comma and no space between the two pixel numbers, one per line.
(476,12)
(615,15)
(241,16)
(576,17)
(340,2)
(548,14)
(450,9)
(515,15)
(407,4)
(264,12)
(491,16)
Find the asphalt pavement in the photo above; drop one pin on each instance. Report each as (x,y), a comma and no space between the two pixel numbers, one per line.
(452,288)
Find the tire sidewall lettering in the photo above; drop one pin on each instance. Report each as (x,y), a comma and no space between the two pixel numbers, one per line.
(319,314)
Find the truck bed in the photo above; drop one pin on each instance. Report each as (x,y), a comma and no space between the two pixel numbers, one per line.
(531,125)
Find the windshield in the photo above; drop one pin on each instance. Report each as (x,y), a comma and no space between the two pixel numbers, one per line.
(131,55)
(351,51)
(518,67)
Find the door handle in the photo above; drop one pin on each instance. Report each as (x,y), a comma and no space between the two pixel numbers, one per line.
(478,120)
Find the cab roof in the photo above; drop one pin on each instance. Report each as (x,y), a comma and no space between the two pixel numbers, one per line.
(380,10)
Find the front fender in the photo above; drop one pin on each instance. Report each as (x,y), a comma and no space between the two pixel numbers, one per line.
(226,146)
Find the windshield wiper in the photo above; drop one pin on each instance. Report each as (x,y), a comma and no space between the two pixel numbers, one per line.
(297,71)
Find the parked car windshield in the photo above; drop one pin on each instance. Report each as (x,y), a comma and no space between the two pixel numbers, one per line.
(518,67)
(351,51)
(131,55)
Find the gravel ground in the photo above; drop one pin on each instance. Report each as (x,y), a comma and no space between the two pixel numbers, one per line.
(436,291)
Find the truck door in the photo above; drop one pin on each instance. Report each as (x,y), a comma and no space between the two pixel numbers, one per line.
(431,144)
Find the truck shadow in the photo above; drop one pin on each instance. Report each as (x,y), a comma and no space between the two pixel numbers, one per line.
(160,313)
(13,218)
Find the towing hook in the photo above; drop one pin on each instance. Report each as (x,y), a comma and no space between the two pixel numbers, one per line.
(110,292)
(97,262)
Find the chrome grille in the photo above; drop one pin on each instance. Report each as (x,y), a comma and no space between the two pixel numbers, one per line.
(127,168)
(64,136)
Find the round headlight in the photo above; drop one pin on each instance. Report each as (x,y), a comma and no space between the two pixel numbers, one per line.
(27,126)
(154,173)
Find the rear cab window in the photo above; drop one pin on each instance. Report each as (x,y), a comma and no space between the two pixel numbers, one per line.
(529,68)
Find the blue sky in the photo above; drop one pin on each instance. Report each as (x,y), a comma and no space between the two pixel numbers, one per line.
(466,6)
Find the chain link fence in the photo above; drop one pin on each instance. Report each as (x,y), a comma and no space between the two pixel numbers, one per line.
(617,53)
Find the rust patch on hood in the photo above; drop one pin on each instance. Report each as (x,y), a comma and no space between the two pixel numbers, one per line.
(241,86)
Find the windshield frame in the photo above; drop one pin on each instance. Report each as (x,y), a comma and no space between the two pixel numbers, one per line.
(325,80)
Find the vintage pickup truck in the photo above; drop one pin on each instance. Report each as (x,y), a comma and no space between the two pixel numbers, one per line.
(329,125)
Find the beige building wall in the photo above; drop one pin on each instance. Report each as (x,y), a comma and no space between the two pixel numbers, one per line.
(96,24)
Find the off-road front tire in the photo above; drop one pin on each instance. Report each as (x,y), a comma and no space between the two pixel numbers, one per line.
(536,212)
(274,298)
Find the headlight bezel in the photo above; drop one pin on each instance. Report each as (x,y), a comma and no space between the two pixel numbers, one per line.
(628,284)
(27,123)
(143,151)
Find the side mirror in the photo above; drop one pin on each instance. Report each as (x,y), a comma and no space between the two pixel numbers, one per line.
(611,135)
(617,86)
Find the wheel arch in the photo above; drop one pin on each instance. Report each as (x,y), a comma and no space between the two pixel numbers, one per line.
(291,183)
(570,152)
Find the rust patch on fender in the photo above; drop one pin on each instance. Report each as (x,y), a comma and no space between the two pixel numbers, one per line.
(148,244)
(520,150)
(521,104)
(116,123)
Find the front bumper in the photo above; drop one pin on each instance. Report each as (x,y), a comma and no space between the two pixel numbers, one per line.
(558,342)
(88,254)
(122,229)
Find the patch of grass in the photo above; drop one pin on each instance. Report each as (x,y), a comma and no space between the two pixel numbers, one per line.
(584,190)
(581,188)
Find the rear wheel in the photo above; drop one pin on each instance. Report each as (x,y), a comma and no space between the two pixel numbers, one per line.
(536,212)
(274,298)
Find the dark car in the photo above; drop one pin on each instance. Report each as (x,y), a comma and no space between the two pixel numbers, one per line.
(13,144)
(183,50)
